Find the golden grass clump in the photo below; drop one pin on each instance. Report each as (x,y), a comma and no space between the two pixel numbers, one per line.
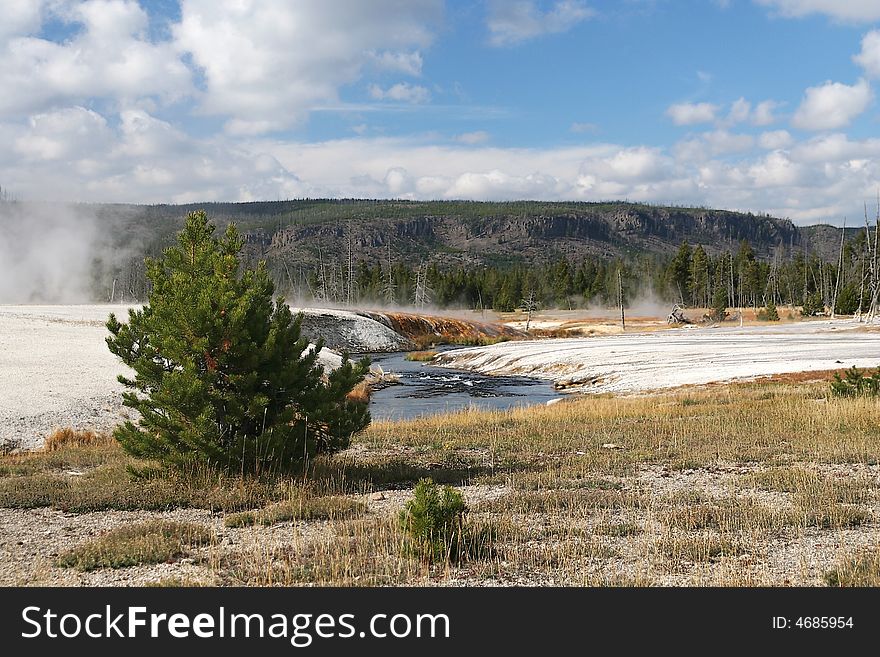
(73,438)
(421,356)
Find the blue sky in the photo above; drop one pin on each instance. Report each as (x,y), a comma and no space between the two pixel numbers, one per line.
(760,105)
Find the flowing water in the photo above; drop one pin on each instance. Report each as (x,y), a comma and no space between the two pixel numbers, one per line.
(428,390)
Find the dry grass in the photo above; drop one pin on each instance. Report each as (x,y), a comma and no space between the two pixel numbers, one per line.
(739,485)
(421,356)
(133,545)
(361,393)
(861,569)
(67,438)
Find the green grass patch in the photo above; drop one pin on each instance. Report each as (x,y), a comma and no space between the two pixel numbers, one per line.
(151,542)
(316,508)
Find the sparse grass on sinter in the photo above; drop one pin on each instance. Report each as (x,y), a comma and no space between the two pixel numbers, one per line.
(150,542)
(683,549)
(692,511)
(860,569)
(334,507)
(575,493)
(618,529)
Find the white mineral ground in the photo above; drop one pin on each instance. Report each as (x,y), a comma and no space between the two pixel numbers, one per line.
(56,371)
(640,362)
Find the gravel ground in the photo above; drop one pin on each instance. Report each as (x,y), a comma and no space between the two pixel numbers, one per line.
(31,539)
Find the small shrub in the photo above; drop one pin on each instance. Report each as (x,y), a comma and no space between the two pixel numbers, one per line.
(813,305)
(157,541)
(434,521)
(854,383)
(768,313)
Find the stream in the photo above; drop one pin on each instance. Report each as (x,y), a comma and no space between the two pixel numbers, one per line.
(428,390)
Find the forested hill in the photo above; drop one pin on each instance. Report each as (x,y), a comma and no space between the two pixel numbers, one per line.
(473,233)
(447,252)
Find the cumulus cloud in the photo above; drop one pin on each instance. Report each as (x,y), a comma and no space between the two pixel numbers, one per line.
(402,92)
(110,56)
(763,114)
(20,17)
(844,10)
(775,139)
(78,154)
(512,22)
(266,64)
(713,143)
(869,57)
(832,105)
(692,113)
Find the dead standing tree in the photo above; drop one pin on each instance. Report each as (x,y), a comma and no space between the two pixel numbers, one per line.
(530,305)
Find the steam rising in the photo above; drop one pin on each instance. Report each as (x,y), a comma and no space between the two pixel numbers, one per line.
(47,253)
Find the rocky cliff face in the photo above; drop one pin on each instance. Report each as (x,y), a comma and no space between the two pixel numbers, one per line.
(602,230)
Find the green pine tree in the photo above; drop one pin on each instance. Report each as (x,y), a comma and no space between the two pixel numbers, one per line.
(719,304)
(222,375)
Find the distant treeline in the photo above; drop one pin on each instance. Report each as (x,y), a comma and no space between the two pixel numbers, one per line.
(691,277)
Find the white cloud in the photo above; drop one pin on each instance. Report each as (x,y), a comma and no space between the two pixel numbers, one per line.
(63,134)
(20,17)
(267,63)
(763,114)
(832,105)
(740,111)
(78,154)
(775,139)
(869,57)
(476,137)
(692,113)
(409,63)
(109,57)
(836,148)
(702,147)
(844,10)
(402,92)
(513,21)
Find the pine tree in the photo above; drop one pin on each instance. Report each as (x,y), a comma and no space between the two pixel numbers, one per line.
(719,304)
(222,375)
(679,271)
(699,278)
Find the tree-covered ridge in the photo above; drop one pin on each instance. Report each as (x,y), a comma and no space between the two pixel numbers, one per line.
(488,254)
